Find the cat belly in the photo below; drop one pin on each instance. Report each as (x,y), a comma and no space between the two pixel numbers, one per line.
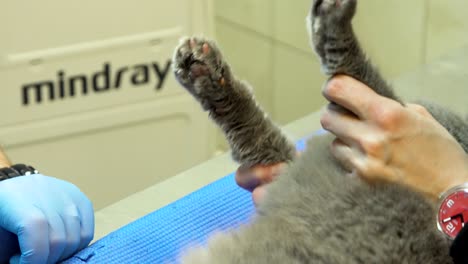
(315,213)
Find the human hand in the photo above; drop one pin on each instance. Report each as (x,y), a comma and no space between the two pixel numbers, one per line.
(381,140)
(256,178)
(42,220)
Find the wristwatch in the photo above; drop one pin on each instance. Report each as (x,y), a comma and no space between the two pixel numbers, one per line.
(453,211)
(16,170)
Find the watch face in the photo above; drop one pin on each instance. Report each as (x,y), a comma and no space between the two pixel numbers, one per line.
(453,213)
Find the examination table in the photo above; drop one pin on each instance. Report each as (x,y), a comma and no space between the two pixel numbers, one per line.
(155,225)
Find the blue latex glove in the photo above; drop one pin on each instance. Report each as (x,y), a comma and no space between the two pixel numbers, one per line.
(42,220)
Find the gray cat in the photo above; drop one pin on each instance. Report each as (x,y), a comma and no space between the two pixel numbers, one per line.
(313,213)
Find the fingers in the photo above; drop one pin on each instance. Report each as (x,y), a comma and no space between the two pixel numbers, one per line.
(355,96)
(15,259)
(23,218)
(251,178)
(258,195)
(344,154)
(86,211)
(366,167)
(255,179)
(246,179)
(72,223)
(78,215)
(343,125)
(353,161)
(51,219)
(374,171)
(9,245)
(33,236)
(57,235)
(61,223)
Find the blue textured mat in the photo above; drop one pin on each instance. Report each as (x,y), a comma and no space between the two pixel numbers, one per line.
(160,236)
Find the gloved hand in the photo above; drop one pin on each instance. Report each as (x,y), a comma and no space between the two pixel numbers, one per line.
(42,220)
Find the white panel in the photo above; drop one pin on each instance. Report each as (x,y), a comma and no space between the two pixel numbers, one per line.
(127,149)
(290,23)
(256,15)
(392,32)
(122,75)
(37,25)
(297,84)
(443,81)
(133,125)
(249,55)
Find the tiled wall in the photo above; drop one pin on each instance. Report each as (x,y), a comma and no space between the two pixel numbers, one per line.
(267,44)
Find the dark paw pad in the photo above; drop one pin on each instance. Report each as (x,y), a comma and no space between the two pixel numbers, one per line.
(197,60)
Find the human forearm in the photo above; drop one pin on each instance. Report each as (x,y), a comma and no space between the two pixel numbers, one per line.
(4,161)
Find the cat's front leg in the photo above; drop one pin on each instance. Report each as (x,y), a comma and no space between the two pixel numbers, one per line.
(253,137)
(334,41)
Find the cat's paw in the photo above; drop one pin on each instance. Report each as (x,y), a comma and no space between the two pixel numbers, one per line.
(199,67)
(330,17)
(329,25)
(333,11)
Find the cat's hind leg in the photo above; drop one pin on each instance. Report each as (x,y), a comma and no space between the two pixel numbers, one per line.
(333,39)
(253,137)
(336,45)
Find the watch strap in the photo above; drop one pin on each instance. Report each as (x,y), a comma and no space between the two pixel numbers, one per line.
(16,171)
(459,247)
